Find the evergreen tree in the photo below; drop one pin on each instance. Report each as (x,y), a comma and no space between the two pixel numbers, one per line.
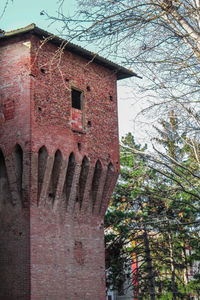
(156,205)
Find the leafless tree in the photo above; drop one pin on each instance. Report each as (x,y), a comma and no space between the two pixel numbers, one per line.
(159,39)
(2,13)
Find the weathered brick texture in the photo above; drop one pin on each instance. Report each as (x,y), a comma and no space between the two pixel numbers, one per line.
(58,168)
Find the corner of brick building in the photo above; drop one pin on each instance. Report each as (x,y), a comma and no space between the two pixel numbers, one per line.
(58,171)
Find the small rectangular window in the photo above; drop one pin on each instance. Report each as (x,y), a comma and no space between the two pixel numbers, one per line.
(76,99)
(77,109)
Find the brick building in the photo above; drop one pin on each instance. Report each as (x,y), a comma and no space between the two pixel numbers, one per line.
(59,161)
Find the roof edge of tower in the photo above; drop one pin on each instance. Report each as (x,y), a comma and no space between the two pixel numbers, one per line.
(120,71)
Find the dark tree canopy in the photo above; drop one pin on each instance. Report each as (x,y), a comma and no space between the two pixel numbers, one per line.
(155,208)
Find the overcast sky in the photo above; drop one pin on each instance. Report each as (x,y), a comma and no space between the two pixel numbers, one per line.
(20,13)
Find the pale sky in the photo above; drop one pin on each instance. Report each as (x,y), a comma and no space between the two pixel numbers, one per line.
(20,13)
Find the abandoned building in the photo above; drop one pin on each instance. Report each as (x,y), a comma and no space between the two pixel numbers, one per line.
(59,161)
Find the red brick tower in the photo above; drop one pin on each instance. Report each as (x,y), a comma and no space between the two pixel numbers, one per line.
(59,161)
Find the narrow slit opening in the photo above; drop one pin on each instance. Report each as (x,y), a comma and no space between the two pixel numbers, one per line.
(82,180)
(69,177)
(42,161)
(5,194)
(96,181)
(55,174)
(18,154)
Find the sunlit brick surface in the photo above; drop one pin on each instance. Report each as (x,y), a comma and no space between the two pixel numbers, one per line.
(58,169)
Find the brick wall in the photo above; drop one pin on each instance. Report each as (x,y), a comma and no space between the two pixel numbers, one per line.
(14,170)
(60,175)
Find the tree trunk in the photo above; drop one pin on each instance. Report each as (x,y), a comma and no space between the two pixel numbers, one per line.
(151,278)
(172,261)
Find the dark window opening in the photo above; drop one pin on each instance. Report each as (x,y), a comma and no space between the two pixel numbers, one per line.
(89,124)
(88,88)
(111,98)
(76,99)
